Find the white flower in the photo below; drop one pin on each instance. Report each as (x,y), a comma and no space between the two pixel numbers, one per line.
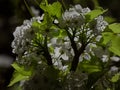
(78,8)
(58,64)
(85,10)
(115,58)
(74,17)
(35,11)
(87,56)
(64,56)
(104,58)
(99,52)
(89,47)
(76,39)
(81,58)
(114,68)
(67,45)
(23,35)
(100,24)
(53,41)
(57,52)
(56,21)
(64,68)
(70,15)
(98,38)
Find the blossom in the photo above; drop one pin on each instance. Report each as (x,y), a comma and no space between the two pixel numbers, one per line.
(35,11)
(85,10)
(100,24)
(115,58)
(78,8)
(64,56)
(23,36)
(114,69)
(74,17)
(98,38)
(60,48)
(87,56)
(29,57)
(104,58)
(70,15)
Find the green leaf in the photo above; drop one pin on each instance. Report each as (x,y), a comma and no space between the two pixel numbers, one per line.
(36,25)
(115,27)
(16,78)
(114,40)
(62,33)
(52,9)
(108,89)
(55,9)
(47,20)
(43,5)
(115,78)
(44,25)
(89,68)
(54,31)
(21,70)
(107,36)
(19,74)
(115,45)
(94,13)
(109,19)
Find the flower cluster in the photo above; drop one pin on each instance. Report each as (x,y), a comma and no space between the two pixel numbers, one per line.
(56,48)
(62,53)
(100,24)
(23,37)
(74,17)
(75,21)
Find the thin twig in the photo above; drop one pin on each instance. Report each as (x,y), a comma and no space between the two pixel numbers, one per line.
(28,9)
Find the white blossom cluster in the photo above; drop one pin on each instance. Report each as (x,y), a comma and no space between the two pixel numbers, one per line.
(73,19)
(75,16)
(23,36)
(62,53)
(100,24)
(60,48)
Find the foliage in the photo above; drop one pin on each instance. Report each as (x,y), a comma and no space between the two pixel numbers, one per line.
(19,74)
(66,50)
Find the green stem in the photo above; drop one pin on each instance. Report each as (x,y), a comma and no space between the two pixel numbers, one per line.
(28,9)
(64,5)
(37,2)
(96,4)
(46,2)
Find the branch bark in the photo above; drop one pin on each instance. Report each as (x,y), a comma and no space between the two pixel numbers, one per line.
(77,51)
(75,61)
(47,53)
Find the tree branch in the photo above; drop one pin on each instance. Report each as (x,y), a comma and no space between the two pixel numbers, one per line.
(73,44)
(76,58)
(46,53)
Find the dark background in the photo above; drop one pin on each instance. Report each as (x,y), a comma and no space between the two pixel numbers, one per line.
(12,14)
